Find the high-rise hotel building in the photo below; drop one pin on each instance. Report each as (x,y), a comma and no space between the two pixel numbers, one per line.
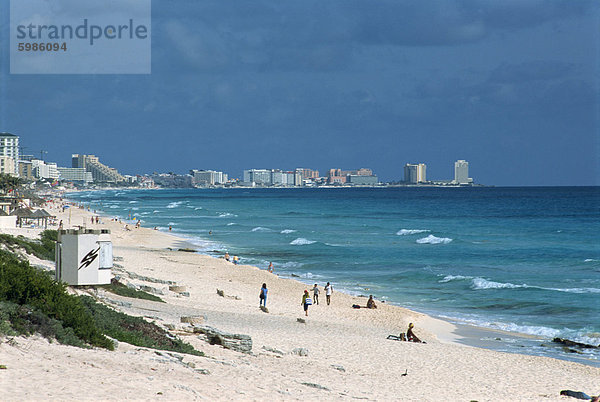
(9,146)
(415,173)
(461,172)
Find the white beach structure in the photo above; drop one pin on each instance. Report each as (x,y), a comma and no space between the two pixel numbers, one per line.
(84,257)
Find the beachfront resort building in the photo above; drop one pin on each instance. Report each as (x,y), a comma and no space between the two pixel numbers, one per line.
(75,175)
(415,173)
(43,170)
(461,172)
(339,176)
(204,178)
(7,165)
(26,170)
(9,146)
(273,177)
(100,172)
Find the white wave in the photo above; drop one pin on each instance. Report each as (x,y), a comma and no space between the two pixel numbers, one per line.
(134,208)
(286,231)
(226,214)
(231,224)
(431,239)
(261,229)
(573,290)
(171,224)
(589,260)
(480,283)
(300,241)
(449,278)
(155,211)
(197,208)
(113,206)
(133,202)
(334,245)
(174,204)
(406,232)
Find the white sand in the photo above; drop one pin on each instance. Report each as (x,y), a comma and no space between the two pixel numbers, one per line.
(348,354)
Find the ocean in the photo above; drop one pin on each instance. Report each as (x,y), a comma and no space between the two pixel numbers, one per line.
(522,260)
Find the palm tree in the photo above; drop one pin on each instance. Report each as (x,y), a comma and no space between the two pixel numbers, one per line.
(9,183)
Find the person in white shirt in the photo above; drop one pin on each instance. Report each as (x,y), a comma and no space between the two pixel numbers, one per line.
(328,292)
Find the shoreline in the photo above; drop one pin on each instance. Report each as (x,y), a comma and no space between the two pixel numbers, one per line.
(336,352)
(450,330)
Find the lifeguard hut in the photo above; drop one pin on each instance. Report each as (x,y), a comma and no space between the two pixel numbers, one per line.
(84,257)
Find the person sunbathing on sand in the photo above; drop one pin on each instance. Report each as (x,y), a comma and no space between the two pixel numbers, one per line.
(371,302)
(410,335)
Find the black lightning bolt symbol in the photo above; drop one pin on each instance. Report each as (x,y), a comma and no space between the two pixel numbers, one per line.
(89,258)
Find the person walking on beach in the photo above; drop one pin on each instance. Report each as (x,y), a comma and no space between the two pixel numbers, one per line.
(316,292)
(328,292)
(306,301)
(263,295)
(270,269)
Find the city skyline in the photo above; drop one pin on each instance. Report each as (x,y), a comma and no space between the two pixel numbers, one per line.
(510,87)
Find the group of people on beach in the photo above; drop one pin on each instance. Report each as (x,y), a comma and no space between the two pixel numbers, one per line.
(235,258)
(306,299)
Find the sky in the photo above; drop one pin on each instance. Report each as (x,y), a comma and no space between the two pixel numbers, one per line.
(512,86)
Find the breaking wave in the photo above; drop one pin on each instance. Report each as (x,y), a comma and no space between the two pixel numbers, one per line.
(406,232)
(431,239)
(261,229)
(174,204)
(301,241)
(481,284)
(286,231)
(449,278)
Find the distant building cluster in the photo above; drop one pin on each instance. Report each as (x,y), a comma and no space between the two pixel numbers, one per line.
(416,173)
(87,170)
(272,177)
(308,177)
(204,178)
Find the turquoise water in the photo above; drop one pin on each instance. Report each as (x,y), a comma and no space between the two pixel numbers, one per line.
(518,259)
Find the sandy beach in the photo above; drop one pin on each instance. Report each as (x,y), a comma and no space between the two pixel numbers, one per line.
(337,352)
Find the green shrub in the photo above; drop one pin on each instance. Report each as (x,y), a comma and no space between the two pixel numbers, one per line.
(24,285)
(135,330)
(25,320)
(118,288)
(43,248)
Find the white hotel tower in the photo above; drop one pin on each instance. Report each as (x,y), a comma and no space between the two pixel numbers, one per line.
(9,147)
(461,172)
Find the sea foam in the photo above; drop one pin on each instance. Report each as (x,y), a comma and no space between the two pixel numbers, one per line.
(261,229)
(431,239)
(174,204)
(287,231)
(480,283)
(301,241)
(406,232)
(449,278)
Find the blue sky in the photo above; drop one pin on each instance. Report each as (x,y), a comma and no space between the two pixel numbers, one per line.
(511,86)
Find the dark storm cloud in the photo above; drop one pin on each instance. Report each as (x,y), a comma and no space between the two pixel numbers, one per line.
(317,35)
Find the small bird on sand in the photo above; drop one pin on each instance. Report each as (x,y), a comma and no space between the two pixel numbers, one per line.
(405,373)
